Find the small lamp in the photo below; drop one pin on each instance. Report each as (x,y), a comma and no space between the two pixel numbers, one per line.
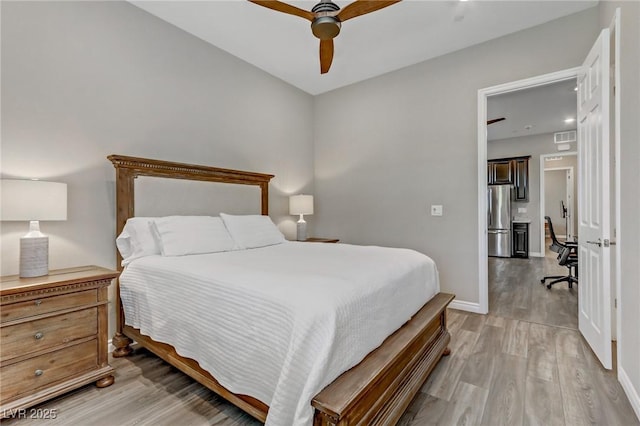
(301,204)
(33,200)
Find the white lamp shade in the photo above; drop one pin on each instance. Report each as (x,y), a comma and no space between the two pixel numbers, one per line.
(301,204)
(33,200)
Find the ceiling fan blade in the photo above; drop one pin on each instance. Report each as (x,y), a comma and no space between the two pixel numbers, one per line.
(326,55)
(495,120)
(361,7)
(285,8)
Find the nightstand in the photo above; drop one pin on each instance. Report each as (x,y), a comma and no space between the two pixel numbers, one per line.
(321,240)
(53,334)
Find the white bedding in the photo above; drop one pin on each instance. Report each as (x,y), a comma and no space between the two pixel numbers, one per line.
(278,323)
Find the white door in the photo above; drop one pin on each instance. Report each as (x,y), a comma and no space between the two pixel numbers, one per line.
(594,263)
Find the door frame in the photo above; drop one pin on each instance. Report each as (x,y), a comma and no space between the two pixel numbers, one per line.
(542,192)
(541,80)
(483,94)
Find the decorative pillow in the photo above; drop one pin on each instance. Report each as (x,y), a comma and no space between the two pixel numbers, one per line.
(181,235)
(136,239)
(251,231)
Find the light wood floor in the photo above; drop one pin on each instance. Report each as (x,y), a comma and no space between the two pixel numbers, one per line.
(515,291)
(523,364)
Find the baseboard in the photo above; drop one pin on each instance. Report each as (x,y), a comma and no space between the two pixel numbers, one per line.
(466,306)
(632,393)
(535,254)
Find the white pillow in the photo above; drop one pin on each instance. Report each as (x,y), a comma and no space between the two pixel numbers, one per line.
(181,235)
(251,231)
(123,242)
(136,240)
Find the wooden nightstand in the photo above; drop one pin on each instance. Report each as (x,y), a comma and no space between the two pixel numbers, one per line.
(53,335)
(321,240)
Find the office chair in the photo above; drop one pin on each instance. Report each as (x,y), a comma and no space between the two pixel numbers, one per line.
(567,256)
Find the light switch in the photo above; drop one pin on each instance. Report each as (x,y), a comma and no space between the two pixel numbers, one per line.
(436,210)
(522,209)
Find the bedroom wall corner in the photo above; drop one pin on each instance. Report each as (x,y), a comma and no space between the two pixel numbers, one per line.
(82,80)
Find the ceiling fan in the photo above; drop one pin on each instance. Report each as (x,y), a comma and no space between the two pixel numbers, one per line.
(326,19)
(495,120)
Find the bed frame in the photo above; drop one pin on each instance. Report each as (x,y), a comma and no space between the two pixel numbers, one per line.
(377,391)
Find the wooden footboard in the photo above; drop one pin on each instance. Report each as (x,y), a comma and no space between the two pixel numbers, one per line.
(378,390)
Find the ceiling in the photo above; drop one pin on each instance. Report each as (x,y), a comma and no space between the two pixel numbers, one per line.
(394,37)
(542,109)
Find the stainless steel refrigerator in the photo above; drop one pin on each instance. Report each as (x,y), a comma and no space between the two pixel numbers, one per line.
(499,220)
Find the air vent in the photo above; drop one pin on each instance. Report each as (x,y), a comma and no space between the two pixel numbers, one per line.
(564,137)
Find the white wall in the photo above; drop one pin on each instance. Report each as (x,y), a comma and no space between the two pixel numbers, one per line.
(629,235)
(387,148)
(82,80)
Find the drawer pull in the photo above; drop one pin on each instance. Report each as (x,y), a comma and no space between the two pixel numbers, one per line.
(38,302)
(38,335)
(39,373)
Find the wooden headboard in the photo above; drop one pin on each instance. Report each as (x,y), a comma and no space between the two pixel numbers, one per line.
(129,168)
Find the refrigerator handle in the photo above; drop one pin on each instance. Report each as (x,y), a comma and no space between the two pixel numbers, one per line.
(489,205)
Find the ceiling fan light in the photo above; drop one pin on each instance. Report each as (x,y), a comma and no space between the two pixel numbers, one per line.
(325,27)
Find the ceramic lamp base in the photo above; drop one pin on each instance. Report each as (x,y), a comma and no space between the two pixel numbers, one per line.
(301,228)
(34,256)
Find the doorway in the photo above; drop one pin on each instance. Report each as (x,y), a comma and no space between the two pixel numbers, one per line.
(531,126)
(483,95)
(557,200)
(596,315)
(558,196)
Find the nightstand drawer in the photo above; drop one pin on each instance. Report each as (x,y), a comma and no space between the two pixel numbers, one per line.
(38,372)
(45,305)
(29,337)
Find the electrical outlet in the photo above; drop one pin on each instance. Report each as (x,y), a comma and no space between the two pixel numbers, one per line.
(436,210)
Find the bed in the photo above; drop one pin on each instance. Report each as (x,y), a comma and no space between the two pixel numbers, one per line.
(377,385)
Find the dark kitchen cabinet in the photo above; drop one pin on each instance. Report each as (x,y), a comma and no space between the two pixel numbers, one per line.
(521,179)
(511,171)
(500,172)
(520,243)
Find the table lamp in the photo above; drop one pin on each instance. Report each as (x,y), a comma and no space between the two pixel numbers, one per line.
(301,204)
(33,201)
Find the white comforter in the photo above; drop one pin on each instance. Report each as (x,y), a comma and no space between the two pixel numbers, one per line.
(278,323)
